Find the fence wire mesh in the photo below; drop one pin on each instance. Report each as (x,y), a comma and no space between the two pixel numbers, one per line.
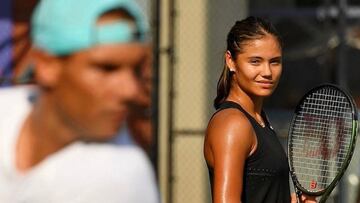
(310,52)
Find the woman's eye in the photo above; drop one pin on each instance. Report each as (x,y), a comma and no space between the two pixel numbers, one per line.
(255,62)
(275,63)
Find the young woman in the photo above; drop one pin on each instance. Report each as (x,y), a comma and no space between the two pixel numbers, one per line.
(245,159)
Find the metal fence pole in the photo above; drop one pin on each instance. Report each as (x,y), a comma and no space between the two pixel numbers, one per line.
(341,70)
(341,73)
(155,92)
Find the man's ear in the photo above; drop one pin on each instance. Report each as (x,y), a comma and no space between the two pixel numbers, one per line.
(230,63)
(47,68)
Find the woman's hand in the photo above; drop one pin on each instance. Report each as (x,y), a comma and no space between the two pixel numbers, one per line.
(303,199)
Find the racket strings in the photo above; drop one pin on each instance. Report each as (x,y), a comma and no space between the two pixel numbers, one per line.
(321,136)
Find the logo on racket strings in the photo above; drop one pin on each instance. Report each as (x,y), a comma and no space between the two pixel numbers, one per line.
(313,184)
(328,146)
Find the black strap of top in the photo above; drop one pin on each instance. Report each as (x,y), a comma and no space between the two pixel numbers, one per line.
(231,104)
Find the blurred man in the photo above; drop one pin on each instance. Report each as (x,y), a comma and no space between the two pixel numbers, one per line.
(138,130)
(53,137)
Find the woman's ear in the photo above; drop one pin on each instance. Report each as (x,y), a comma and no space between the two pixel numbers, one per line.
(229,61)
(47,68)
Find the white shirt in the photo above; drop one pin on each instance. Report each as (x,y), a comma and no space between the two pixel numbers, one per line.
(79,173)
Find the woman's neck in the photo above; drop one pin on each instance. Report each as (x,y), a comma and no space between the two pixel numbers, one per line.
(251,104)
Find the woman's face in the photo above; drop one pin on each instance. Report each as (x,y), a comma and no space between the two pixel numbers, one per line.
(258,68)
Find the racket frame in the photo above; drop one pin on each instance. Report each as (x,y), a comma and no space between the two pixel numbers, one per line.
(325,192)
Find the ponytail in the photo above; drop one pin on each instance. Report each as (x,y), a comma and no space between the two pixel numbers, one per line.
(223,86)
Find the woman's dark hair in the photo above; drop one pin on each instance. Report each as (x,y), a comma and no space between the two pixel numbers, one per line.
(245,30)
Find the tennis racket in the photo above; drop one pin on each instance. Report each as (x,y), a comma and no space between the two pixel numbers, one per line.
(321,140)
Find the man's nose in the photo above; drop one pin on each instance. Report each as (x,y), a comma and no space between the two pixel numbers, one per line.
(129,86)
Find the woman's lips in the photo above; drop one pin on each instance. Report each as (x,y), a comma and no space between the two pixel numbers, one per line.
(266,84)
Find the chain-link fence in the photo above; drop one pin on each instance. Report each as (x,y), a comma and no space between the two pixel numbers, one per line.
(200,33)
(311,35)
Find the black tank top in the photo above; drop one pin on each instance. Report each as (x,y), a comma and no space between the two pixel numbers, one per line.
(266,173)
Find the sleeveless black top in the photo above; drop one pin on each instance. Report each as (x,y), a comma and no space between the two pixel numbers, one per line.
(266,173)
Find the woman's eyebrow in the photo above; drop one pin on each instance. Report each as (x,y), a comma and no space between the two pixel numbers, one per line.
(278,58)
(255,57)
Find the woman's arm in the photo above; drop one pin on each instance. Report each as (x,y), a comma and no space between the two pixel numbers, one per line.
(230,139)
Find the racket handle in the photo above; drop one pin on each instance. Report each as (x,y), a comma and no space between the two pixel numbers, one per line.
(298,195)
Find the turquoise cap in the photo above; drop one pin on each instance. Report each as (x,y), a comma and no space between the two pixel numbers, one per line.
(62,27)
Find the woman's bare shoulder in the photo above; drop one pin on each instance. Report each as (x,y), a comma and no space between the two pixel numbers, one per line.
(229,134)
(229,124)
(229,119)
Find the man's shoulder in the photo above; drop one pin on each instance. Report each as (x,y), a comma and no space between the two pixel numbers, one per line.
(15,103)
(94,172)
(16,90)
(15,96)
(105,160)
(111,153)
